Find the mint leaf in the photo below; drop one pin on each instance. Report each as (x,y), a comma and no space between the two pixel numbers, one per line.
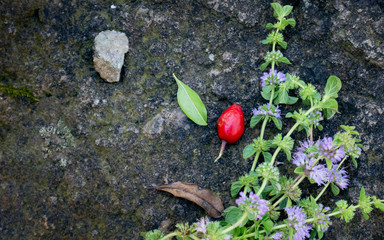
(248,151)
(235,188)
(335,189)
(255,120)
(332,87)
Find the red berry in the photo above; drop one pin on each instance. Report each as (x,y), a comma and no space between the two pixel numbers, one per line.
(230,126)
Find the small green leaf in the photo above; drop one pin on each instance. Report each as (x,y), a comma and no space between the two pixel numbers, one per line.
(267,156)
(335,189)
(365,216)
(277,122)
(330,104)
(191,104)
(235,188)
(299,170)
(264,66)
(288,115)
(283,44)
(287,10)
(278,10)
(362,194)
(291,22)
(233,214)
(284,60)
(379,206)
(269,26)
(255,120)
(354,162)
(329,163)
(268,225)
(332,87)
(248,151)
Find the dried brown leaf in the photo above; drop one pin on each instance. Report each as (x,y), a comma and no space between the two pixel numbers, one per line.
(205,198)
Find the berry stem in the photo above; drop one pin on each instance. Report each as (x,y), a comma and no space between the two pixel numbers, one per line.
(223,143)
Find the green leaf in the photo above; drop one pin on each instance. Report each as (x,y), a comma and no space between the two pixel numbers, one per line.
(288,115)
(264,66)
(299,170)
(379,206)
(278,10)
(269,26)
(354,162)
(235,188)
(191,104)
(362,194)
(330,104)
(365,216)
(266,41)
(277,122)
(287,10)
(284,60)
(291,22)
(248,151)
(332,87)
(335,189)
(255,120)
(233,214)
(329,164)
(267,156)
(268,225)
(283,44)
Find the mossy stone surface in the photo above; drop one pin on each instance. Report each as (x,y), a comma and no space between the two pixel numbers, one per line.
(87,176)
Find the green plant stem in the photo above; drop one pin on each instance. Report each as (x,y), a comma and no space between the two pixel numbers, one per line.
(263,185)
(169,236)
(238,223)
(255,161)
(261,136)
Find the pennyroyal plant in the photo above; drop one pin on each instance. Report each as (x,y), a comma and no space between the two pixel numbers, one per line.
(269,205)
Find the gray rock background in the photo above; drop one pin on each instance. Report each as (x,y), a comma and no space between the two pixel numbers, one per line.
(77,164)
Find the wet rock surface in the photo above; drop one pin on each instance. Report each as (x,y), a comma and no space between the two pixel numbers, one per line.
(78,163)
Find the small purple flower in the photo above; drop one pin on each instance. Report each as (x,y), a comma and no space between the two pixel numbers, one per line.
(202,225)
(317,172)
(268,110)
(330,151)
(321,219)
(272,78)
(296,219)
(339,177)
(277,236)
(253,204)
(315,118)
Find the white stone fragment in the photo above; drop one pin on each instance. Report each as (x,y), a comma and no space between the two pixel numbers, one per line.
(108,57)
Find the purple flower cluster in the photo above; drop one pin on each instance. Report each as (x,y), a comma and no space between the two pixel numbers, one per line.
(268,110)
(315,118)
(277,236)
(202,225)
(309,155)
(338,176)
(319,172)
(296,219)
(330,151)
(272,78)
(253,204)
(321,219)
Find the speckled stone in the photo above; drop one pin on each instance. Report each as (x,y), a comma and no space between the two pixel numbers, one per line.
(108,57)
